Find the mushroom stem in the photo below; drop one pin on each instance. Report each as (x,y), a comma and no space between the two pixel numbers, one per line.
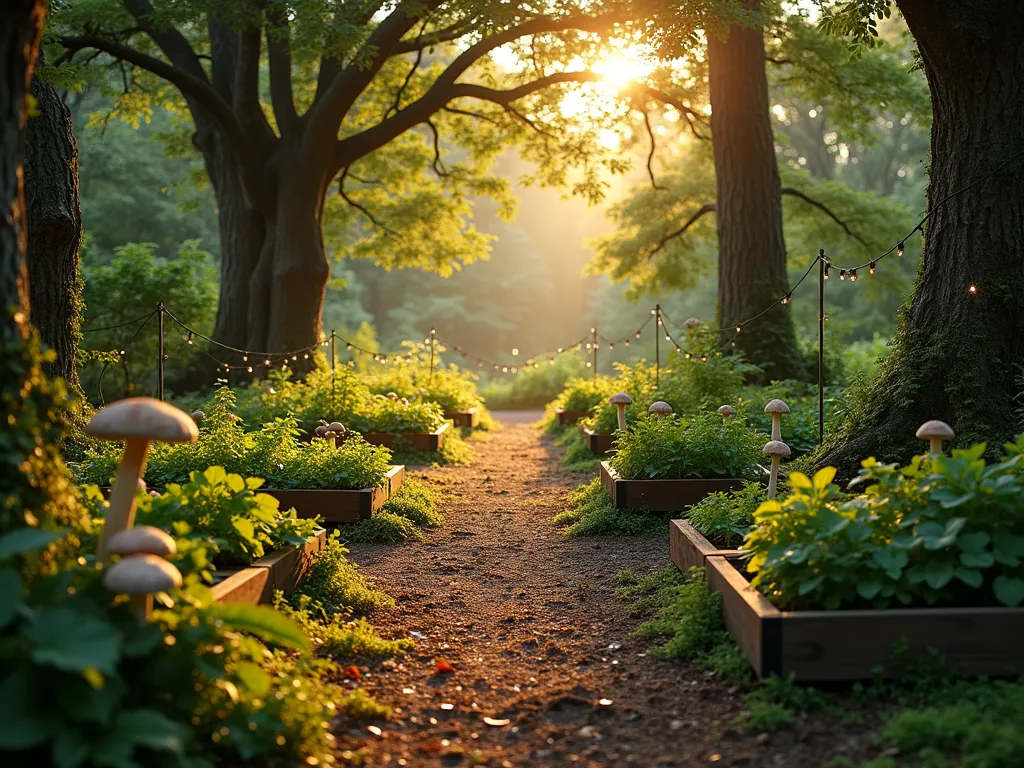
(121,512)
(621,408)
(776,426)
(773,479)
(142,607)
(936,446)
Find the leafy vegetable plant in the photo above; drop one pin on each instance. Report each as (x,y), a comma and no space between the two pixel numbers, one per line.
(726,517)
(943,531)
(673,448)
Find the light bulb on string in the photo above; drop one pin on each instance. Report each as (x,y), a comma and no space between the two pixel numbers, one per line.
(504,369)
(739,328)
(871,268)
(972,289)
(249,369)
(295,357)
(515,351)
(190,338)
(611,347)
(266,362)
(853,275)
(842,274)
(627,342)
(245,358)
(826,272)
(588,345)
(637,334)
(589,364)
(667,337)
(348,346)
(559,350)
(899,249)
(786,299)
(305,356)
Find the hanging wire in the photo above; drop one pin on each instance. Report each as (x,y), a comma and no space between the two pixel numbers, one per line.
(121,325)
(122,350)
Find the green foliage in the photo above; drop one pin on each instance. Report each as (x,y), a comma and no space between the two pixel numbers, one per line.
(685,619)
(382,528)
(415,501)
(533,387)
(800,425)
(362,706)
(86,683)
(340,637)
(382,414)
(130,286)
(576,456)
(226,514)
(592,513)
(272,453)
(579,394)
(450,387)
(705,446)
(727,516)
(336,586)
(943,531)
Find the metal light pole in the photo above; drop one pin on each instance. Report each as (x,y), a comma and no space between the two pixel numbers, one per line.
(822,260)
(657,344)
(160,345)
(594,350)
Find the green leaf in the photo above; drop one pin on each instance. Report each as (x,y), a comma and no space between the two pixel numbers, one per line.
(69,749)
(800,480)
(809,585)
(970,577)
(262,621)
(73,641)
(823,477)
(244,528)
(151,729)
(10,595)
(1008,590)
(973,542)
(977,559)
(868,589)
(253,677)
(22,723)
(26,540)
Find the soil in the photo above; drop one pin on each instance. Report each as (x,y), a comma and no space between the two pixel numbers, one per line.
(528,619)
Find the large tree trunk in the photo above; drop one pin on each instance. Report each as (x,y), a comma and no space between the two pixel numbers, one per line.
(54,229)
(751,248)
(959,354)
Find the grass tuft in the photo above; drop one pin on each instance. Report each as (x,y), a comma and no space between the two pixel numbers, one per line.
(592,513)
(382,528)
(336,585)
(339,637)
(417,502)
(362,706)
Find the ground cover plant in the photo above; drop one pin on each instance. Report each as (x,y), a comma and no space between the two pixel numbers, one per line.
(702,446)
(448,386)
(401,518)
(591,512)
(725,517)
(533,387)
(272,452)
(336,585)
(580,394)
(939,531)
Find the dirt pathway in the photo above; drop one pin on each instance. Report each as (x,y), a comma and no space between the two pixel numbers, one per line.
(528,619)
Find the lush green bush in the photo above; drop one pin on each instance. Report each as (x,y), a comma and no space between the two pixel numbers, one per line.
(335,585)
(226,514)
(533,387)
(581,394)
(338,635)
(416,501)
(382,414)
(272,453)
(705,446)
(448,386)
(800,425)
(592,513)
(576,455)
(948,531)
(726,517)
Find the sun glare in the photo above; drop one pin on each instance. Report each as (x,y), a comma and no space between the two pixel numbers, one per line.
(624,67)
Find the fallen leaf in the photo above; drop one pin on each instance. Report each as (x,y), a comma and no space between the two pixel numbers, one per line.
(496,722)
(443,667)
(351,673)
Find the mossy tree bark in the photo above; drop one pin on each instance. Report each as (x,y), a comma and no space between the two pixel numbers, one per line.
(751,246)
(959,355)
(54,229)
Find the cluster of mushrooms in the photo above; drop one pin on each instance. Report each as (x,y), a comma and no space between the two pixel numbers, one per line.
(331,431)
(142,569)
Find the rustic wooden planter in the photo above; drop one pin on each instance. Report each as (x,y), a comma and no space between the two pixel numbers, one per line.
(596,442)
(467,420)
(282,570)
(334,506)
(570,417)
(661,495)
(421,441)
(853,645)
(689,548)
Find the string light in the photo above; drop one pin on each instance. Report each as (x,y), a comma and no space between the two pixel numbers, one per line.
(190,338)
(739,328)
(842,274)
(871,269)
(515,351)
(826,272)
(899,249)
(786,299)
(853,275)
(972,289)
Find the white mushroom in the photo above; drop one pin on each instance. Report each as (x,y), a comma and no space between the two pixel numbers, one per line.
(336,427)
(198,416)
(620,400)
(142,540)
(661,409)
(321,430)
(725,411)
(690,323)
(392,396)
(775,409)
(139,576)
(777,450)
(935,432)
(137,421)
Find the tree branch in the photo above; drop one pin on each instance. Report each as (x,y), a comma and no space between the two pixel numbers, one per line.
(373,219)
(828,211)
(650,155)
(279,52)
(666,239)
(437,163)
(423,41)
(692,118)
(397,106)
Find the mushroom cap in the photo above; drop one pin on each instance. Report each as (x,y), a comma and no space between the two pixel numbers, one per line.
(336,426)
(142,540)
(776,406)
(392,396)
(691,322)
(776,448)
(141,575)
(620,398)
(320,430)
(726,410)
(405,401)
(143,418)
(198,416)
(421,391)
(661,407)
(931,429)
(142,485)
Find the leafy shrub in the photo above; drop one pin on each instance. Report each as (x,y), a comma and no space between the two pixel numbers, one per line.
(947,531)
(382,414)
(451,388)
(84,682)
(533,387)
(340,637)
(382,528)
(576,456)
(592,513)
(706,446)
(726,517)
(415,501)
(581,394)
(336,586)
(225,513)
(272,453)
(800,425)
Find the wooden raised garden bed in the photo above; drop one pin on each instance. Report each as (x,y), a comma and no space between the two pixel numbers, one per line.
(570,417)
(597,443)
(661,495)
(468,420)
(852,645)
(282,570)
(689,548)
(334,506)
(420,441)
